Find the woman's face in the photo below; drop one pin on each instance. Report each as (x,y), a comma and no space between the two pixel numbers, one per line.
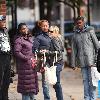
(53,31)
(45,26)
(24,29)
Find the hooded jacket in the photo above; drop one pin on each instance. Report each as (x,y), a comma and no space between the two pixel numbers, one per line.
(84,47)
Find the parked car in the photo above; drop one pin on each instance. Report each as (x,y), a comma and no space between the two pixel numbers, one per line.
(96,26)
(68,31)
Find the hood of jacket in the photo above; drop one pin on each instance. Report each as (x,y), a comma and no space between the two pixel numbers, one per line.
(86,28)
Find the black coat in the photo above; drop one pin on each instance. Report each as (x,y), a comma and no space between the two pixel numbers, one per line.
(98,61)
(42,41)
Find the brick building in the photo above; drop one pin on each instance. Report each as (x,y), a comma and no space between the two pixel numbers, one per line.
(3,7)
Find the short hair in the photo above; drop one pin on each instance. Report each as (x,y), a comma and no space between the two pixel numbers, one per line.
(79,18)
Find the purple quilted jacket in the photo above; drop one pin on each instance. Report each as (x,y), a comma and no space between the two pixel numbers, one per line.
(27,78)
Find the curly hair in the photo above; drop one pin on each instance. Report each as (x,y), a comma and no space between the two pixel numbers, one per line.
(41,21)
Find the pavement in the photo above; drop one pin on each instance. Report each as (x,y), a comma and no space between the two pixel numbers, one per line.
(71,81)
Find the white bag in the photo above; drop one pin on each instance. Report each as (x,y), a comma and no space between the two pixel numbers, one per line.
(50,75)
(50,72)
(95,76)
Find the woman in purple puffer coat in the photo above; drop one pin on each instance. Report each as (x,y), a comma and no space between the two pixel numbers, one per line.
(27,77)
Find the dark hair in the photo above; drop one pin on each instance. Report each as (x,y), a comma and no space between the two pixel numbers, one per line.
(79,18)
(20,25)
(19,28)
(36,30)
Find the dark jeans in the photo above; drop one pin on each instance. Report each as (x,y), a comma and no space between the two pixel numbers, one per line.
(4,75)
(58,88)
(45,87)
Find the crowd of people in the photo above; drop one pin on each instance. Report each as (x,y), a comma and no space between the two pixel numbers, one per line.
(46,40)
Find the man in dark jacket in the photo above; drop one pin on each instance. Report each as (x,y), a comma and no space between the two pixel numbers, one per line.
(4,59)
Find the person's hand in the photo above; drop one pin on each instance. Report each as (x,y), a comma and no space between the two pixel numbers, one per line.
(44,50)
(91,66)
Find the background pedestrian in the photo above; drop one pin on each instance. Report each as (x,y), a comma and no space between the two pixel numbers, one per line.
(5,58)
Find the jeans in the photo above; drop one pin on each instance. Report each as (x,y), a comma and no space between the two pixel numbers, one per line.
(28,96)
(89,89)
(57,87)
(98,89)
(45,87)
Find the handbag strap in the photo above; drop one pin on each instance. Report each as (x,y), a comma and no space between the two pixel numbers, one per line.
(35,55)
(44,54)
(56,56)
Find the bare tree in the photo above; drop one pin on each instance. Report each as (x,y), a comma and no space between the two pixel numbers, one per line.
(74,4)
(45,9)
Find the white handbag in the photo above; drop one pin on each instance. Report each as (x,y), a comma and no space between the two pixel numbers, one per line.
(50,73)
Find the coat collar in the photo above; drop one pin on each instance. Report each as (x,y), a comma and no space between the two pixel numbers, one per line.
(44,33)
(76,30)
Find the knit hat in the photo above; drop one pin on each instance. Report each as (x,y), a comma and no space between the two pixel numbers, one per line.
(2,17)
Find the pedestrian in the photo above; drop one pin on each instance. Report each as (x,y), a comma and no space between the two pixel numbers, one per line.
(98,69)
(5,58)
(57,42)
(44,41)
(27,77)
(84,48)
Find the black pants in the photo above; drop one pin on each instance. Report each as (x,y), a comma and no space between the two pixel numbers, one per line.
(4,75)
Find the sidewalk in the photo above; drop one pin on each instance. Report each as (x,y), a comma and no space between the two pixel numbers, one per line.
(71,83)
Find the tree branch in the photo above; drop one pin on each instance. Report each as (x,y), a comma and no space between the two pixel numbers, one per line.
(65,2)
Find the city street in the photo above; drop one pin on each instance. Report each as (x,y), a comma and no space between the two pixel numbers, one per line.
(46,21)
(71,83)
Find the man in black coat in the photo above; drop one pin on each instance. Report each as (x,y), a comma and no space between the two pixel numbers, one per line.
(4,59)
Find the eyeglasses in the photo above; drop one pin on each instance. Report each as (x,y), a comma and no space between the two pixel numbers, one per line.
(50,31)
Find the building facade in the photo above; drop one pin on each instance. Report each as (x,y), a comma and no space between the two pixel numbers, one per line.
(3,7)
